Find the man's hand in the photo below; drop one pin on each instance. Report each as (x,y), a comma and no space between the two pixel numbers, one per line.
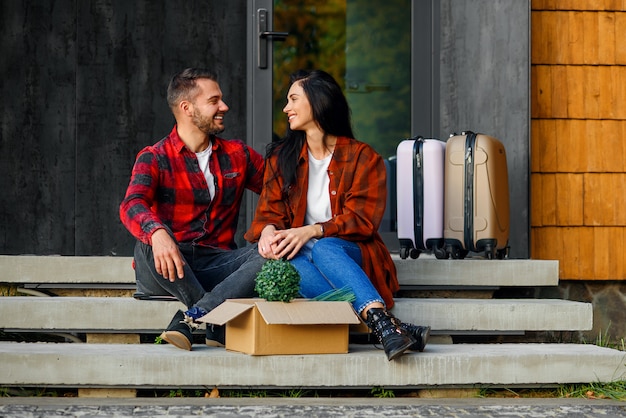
(168,260)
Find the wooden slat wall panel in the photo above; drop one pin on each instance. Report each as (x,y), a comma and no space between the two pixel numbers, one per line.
(620,30)
(592,5)
(578,92)
(604,199)
(558,38)
(585,253)
(578,127)
(587,203)
(557,199)
(578,146)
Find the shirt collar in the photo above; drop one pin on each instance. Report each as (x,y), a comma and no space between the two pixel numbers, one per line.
(179,145)
(340,153)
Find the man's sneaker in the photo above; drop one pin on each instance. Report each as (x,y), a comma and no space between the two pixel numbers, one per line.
(195,313)
(179,332)
(215,336)
(419,333)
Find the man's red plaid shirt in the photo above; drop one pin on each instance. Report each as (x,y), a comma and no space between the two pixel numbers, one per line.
(168,189)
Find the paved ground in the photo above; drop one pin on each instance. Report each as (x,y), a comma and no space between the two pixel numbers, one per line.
(311,407)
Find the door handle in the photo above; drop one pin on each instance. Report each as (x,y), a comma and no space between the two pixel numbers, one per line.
(265,36)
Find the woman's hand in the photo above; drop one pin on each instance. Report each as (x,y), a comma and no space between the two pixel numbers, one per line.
(288,242)
(267,244)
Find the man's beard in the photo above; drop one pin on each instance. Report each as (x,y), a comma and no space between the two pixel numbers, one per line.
(205,124)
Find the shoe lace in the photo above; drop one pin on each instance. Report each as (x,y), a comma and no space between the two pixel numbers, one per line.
(191,323)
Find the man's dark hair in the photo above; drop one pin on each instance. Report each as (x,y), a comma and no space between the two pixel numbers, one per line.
(183,85)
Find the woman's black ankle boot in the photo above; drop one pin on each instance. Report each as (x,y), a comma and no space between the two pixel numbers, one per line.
(419,332)
(386,327)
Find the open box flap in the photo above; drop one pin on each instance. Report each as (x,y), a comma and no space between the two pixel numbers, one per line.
(226,311)
(300,312)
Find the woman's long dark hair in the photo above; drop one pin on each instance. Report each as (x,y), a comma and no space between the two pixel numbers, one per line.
(330,110)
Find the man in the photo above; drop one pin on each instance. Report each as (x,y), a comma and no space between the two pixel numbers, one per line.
(182,205)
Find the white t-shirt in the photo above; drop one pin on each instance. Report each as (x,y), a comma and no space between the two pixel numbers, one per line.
(318,197)
(203,162)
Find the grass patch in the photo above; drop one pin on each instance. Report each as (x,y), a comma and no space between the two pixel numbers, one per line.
(613,390)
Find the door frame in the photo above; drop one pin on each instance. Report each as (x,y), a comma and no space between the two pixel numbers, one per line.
(259,88)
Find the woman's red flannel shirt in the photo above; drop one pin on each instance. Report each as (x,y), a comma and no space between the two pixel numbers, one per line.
(358,194)
(167,188)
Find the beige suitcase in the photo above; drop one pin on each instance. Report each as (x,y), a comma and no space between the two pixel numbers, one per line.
(476,197)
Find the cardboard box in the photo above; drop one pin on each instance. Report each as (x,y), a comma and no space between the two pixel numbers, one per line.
(259,327)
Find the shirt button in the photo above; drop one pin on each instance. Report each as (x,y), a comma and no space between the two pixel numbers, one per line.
(334,192)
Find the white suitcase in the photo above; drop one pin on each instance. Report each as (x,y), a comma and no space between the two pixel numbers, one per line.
(420,180)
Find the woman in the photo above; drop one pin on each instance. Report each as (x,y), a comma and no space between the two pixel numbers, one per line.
(323,198)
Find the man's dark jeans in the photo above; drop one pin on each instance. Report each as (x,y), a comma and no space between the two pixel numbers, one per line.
(212,275)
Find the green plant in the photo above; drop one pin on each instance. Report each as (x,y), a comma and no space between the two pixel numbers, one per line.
(293,393)
(178,393)
(604,340)
(380,392)
(613,390)
(245,394)
(278,280)
(158,340)
(344,294)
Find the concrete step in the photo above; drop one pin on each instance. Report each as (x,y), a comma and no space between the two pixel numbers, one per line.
(152,366)
(449,316)
(51,271)
(430,272)
(82,271)
(125,314)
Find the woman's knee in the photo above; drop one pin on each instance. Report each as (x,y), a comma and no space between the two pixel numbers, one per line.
(328,245)
(332,247)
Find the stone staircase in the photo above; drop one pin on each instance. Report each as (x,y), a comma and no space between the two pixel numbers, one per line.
(88,299)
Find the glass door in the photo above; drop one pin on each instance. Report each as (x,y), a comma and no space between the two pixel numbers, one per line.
(364,44)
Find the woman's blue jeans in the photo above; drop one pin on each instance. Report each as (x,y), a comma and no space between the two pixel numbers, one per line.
(334,263)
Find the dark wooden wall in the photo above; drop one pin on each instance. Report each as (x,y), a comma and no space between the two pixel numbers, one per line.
(83,90)
(84,84)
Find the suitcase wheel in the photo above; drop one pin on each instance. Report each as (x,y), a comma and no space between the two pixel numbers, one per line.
(491,252)
(440,253)
(457,253)
(404,252)
(409,252)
